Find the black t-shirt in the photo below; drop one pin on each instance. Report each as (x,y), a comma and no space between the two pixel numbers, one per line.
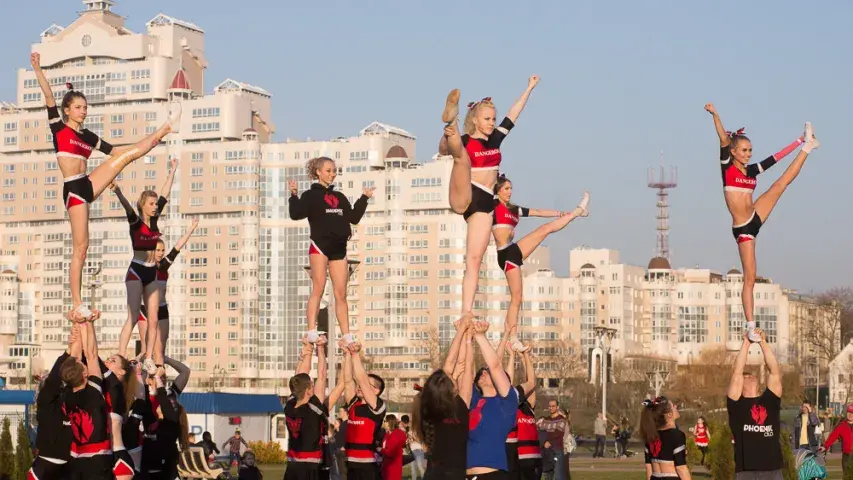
(53,438)
(87,412)
(755,427)
(450,447)
(306,427)
(669,448)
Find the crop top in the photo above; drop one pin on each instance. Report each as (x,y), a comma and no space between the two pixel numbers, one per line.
(144,237)
(485,154)
(507,216)
(68,142)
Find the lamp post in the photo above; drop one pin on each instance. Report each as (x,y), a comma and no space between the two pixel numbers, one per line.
(328,298)
(605,335)
(657,379)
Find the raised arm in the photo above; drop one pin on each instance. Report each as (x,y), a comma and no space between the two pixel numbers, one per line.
(169,412)
(304,363)
(132,217)
(361,378)
(297,207)
(355,213)
(519,104)
(322,370)
(453,354)
(538,212)
(493,363)
(736,383)
(183,370)
(465,384)
(504,339)
(349,382)
(35,61)
(725,139)
(90,348)
(170,178)
(336,392)
(510,366)
(529,385)
(774,377)
(186,238)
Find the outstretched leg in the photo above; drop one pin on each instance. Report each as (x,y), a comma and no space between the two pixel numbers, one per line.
(79,218)
(318,265)
(109,169)
(339,274)
(451,143)
(767,201)
(529,242)
(747,261)
(151,293)
(134,305)
(516,290)
(476,242)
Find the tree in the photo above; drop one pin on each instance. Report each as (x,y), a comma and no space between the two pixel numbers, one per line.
(568,365)
(789,462)
(432,349)
(837,304)
(7,458)
(23,452)
(721,451)
(703,380)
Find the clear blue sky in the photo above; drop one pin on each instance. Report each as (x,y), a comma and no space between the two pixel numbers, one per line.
(621,81)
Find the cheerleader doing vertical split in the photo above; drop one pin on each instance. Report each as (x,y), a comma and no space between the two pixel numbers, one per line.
(739,182)
(476,159)
(73,145)
(329,215)
(511,255)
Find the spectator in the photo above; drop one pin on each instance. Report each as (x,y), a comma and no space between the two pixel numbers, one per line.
(341,441)
(210,448)
(844,431)
(392,449)
(233,449)
(555,425)
(248,470)
(600,431)
(804,429)
(548,455)
(419,462)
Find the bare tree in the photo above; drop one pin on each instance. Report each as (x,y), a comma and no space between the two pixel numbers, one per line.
(837,305)
(432,349)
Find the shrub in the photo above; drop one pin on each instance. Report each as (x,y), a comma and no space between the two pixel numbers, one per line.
(694,455)
(268,452)
(23,453)
(721,452)
(789,462)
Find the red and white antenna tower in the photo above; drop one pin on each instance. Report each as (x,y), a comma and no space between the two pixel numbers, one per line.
(663,183)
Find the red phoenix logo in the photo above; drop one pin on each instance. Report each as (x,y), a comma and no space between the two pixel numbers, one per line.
(81,425)
(331,200)
(759,414)
(476,414)
(294,425)
(655,447)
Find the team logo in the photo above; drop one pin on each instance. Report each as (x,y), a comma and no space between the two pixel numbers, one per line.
(81,425)
(294,425)
(654,447)
(476,414)
(331,200)
(759,414)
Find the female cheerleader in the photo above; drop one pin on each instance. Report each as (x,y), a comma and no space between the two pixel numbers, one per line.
(511,254)
(142,273)
(701,435)
(666,445)
(440,417)
(739,182)
(329,216)
(476,159)
(131,431)
(74,145)
(87,410)
(165,424)
(522,445)
(162,263)
(120,383)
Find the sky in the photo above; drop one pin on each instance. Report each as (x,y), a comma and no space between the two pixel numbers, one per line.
(621,82)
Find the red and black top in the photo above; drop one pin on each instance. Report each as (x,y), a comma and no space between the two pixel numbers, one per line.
(306,428)
(131,434)
(144,237)
(528,434)
(53,438)
(485,154)
(68,142)
(507,216)
(364,428)
(87,412)
(163,268)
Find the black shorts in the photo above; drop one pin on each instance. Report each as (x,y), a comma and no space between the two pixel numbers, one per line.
(496,475)
(77,190)
(141,272)
(46,470)
(99,467)
(509,257)
(331,249)
(438,473)
(123,466)
(749,230)
(162,312)
(363,471)
(482,201)
(512,459)
(302,471)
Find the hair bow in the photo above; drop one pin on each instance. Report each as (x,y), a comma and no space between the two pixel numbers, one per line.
(474,104)
(737,133)
(69,86)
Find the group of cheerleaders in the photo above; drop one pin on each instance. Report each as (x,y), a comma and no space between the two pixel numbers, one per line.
(95,417)
(463,417)
(114,418)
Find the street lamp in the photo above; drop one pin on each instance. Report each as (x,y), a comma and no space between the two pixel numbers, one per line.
(605,335)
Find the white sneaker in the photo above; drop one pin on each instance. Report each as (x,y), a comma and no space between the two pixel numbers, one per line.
(750,333)
(150,366)
(348,339)
(175,110)
(313,335)
(584,204)
(810,140)
(519,347)
(84,311)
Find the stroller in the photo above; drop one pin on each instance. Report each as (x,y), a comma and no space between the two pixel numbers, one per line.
(809,465)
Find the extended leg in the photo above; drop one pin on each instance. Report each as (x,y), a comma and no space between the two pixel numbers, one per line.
(339,275)
(479,232)
(747,260)
(318,265)
(532,240)
(151,293)
(516,290)
(134,303)
(767,201)
(79,217)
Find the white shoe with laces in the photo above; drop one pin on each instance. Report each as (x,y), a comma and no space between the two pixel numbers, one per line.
(313,336)
(810,140)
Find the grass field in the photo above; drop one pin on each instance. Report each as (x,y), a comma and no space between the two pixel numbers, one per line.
(585,468)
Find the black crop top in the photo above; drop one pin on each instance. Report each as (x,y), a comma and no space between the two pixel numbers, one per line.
(144,237)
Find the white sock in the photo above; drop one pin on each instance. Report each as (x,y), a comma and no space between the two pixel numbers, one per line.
(348,339)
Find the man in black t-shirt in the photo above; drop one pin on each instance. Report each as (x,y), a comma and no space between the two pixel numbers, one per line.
(754,418)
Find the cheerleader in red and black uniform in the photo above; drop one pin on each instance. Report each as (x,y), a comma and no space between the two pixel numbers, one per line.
(121,387)
(739,182)
(329,216)
(88,412)
(476,159)
(142,273)
(511,254)
(166,428)
(702,436)
(523,455)
(74,144)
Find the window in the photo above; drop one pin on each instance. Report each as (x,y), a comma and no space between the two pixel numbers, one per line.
(10,140)
(32,97)
(205,127)
(117,118)
(205,112)
(116,132)
(150,116)
(140,88)
(196,186)
(10,126)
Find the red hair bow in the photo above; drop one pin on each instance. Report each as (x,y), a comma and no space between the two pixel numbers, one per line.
(737,133)
(473,104)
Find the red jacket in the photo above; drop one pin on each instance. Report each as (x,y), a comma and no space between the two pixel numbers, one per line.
(392,455)
(845,431)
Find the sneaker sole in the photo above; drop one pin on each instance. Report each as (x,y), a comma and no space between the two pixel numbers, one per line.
(451,107)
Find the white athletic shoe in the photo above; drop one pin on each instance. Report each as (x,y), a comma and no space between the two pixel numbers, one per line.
(84,311)
(348,339)
(750,333)
(314,335)
(519,347)
(150,366)
(175,110)
(584,204)
(810,140)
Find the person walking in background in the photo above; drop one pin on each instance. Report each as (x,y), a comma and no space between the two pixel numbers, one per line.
(392,449)
(419,462)
(600,431)
(804,429)
(232,446)
(843,431)
(554,425)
